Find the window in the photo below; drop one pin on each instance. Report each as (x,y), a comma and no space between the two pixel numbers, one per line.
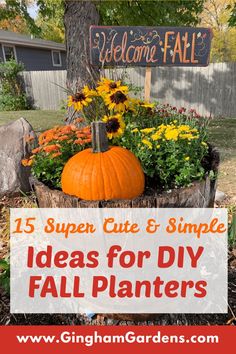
(56,58)
(9,52)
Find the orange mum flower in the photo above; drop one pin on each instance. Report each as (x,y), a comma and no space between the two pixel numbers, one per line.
(87,140)
(51,148)
(80,135)
(73,127)
(79,142)
(56,154)
(27,162)
(79,120)
(35,151)
(63,137)
(46,136)
(86,130)
(66,129)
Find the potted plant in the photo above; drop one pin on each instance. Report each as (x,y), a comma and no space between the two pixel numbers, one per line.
(168,146)
(126,153)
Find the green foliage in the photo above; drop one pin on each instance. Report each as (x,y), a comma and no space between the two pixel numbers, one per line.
(218,16)
(232,19)
(224,45)
(150,13)
(13,8)
(232,230)
(169,142)
(129,12)
(10,103)
(12,96)
(171,154)
(50,20)
(48,170)
(5,274)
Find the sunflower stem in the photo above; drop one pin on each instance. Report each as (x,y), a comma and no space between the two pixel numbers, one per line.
(99,137)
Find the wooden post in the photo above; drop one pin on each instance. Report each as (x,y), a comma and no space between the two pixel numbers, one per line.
(147,87)
(99,137)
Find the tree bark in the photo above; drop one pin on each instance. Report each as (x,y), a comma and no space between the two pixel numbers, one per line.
(79,16)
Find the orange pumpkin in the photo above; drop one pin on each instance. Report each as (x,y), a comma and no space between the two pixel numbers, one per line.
(114,173)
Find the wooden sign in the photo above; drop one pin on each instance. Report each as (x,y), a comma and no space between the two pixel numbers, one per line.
(149,46)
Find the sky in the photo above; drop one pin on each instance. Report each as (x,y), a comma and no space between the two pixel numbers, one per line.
(32,9)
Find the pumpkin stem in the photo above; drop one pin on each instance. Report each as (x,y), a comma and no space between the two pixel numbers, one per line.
(99,137)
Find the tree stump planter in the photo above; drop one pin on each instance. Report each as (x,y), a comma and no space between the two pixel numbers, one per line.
(201,194)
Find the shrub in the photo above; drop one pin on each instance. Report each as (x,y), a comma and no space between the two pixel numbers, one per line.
(12,96)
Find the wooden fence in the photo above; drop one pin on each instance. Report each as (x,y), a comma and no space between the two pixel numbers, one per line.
(210,90)
(45,88)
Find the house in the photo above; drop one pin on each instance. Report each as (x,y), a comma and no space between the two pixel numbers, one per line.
(36,54)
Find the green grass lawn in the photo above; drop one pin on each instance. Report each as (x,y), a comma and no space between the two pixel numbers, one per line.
(222,135)
(40,120)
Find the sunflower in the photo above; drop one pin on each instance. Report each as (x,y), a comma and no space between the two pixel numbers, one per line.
(136,104)
(80,99)
(106,86)
(89,92)
(140,103)
(117,101)
(115,125)
(147,104)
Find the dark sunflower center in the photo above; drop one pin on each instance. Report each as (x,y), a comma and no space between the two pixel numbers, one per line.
(113,85)
(118,97)
(112,125)
(78,97)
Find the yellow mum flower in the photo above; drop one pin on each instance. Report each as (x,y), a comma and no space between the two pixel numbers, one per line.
(184,128)
(115,125)
(186,136)
(155,136)
(147,142)
(117,101)
(135,130)
(187,158)
(171,134)
(147,130)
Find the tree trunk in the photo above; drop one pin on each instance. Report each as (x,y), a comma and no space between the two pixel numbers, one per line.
(79,16)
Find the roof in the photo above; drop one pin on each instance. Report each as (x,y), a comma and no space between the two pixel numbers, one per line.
(28,41)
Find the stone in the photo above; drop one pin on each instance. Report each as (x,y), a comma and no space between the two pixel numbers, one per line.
(220,196)
(14,147)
